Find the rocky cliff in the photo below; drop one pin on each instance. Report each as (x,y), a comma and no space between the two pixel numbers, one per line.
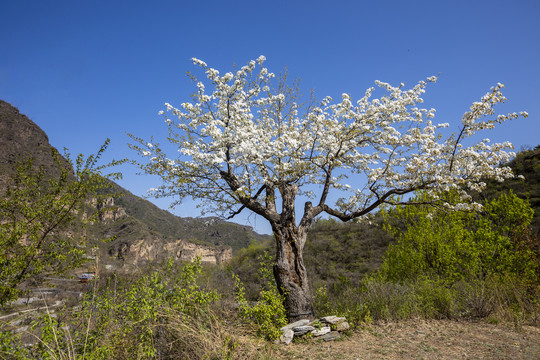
(133,245)
(139,231)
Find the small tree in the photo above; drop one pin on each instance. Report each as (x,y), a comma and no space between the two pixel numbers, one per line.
(40,219)
(248,144)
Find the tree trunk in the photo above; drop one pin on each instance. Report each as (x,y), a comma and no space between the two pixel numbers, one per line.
(290,272)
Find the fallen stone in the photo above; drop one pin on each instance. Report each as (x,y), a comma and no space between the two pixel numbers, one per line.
(342,326)
(331,336)
(287,337)
(333,320)
(321,331)
(328,319)
(294,324)
(301,330)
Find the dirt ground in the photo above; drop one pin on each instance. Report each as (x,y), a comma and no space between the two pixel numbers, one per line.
(422,340)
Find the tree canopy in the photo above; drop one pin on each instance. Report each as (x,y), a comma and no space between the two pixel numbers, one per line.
(243,135)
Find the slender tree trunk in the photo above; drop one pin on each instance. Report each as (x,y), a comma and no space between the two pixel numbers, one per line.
(290,272)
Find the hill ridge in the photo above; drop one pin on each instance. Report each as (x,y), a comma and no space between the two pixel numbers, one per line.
(141,230)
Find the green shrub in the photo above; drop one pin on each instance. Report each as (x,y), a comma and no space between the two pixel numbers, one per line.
(347,304)
(10,347)
(245,265)
(434,299)
(457,264)
(268,313)
(387,300)
(38,207)
(453,246)
(161,315)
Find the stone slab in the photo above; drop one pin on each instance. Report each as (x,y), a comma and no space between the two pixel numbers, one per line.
(295,324)
(287,337)
(321,331)
(331,336)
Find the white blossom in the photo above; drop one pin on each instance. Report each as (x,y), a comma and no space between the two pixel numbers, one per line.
(237,125)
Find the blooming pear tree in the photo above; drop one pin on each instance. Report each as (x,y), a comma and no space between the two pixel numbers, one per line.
(245,142)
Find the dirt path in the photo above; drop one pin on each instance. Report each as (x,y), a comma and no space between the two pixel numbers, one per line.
(425,340)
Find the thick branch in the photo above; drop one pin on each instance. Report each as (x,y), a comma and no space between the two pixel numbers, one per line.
(326,188)
(271,198)
(309,214)
(248,202)
(288,197)
(380,200)
(244,206)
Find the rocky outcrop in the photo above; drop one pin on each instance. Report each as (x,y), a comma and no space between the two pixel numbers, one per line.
(109,211)
(219,255)
(142,251)
(148,248)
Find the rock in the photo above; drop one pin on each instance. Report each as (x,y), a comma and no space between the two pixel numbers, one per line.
(321,331)
(342,326)
(302,327)
(294,324)
(301,330)
(331,336)
(328,319)
(332,320)
(287,336)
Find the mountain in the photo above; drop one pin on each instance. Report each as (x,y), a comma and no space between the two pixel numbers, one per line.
(21,138)
(141,231)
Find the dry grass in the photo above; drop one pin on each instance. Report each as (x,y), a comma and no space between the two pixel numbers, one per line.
(423,339)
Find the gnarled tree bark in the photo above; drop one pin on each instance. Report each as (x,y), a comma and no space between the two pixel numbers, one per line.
(289,270)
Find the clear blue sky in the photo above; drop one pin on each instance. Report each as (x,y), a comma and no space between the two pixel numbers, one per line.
(88,70)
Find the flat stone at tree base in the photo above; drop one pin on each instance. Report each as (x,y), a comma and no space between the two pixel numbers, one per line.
(287,337)
(302,327)
(331,336)
(342,326)
(322,331)
(332,319)
(295,324)
(328,319)
(301,330)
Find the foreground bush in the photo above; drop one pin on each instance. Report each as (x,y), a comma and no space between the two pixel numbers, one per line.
(161,315)
(268,313)
(495,299)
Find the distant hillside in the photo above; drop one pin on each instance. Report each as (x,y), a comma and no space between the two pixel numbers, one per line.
(336,254)
(527,164)
(21,139)
(207,230)
(337,251)
(141,231)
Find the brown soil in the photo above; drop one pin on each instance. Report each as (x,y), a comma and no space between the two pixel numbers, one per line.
(420,340)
